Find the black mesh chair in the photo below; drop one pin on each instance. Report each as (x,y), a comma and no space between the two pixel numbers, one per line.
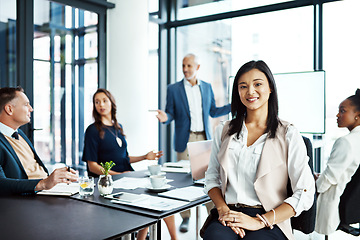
(349,206)
(305,222)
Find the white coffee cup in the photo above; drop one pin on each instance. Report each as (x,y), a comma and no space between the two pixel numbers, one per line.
(154,169)
(157,181)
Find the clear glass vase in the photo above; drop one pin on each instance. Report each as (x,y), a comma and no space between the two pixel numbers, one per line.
(105,185)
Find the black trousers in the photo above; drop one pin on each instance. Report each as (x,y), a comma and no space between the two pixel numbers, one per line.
(216,230)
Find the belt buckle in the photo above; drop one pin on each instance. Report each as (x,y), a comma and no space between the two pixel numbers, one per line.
(237,205)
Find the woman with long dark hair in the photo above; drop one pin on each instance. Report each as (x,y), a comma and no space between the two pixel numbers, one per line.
(105,141)
(252,158)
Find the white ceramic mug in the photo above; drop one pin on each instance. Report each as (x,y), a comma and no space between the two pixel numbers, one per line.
(157,181)
(154,169)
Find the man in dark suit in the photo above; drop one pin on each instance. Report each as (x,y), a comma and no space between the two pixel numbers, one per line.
(190,103)
(21,170)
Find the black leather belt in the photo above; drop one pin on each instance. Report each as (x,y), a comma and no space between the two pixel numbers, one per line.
(240,205)
(197,133)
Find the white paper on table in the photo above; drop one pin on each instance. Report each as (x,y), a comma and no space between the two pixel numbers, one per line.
(189,194)
(133,183)
(155,203)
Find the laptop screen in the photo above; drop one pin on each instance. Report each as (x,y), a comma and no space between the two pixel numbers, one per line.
(199,155)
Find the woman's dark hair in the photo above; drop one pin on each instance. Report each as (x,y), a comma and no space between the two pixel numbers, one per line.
(355,99)
(238,109)
(97,117)
(7,94)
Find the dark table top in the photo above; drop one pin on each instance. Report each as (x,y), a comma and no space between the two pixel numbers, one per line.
(180,180)
(50,217)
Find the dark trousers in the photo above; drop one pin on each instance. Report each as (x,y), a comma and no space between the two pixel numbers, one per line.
(216,230)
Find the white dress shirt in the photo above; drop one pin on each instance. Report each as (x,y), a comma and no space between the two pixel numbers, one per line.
(193,95)
(243,163)
(6,130)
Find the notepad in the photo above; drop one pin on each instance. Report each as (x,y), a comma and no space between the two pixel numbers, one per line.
(189,194)
(61,189)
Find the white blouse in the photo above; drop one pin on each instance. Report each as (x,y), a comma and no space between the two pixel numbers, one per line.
(243,163)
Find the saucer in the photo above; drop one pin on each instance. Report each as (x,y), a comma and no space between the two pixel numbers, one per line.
(147,173)
(166,187)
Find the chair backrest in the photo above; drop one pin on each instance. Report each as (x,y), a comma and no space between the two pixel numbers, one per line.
(349,209)
(305,222)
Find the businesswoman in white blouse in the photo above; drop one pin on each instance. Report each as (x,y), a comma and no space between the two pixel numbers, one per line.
(343,162)
(252,158)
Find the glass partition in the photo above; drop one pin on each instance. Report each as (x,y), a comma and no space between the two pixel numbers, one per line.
(65,77)
(223,46)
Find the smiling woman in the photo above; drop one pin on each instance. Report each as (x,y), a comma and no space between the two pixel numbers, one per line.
(252,158)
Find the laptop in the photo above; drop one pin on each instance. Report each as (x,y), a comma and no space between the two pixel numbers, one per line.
(199,156)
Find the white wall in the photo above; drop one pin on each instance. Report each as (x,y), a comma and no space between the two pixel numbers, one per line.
(127,69)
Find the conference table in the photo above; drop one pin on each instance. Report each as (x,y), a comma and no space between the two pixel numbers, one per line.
(51,217)
(179,180)
(95,217)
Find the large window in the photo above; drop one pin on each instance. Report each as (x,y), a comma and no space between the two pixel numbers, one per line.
(224,45)
(66,75)
(7,43)
(341,60)
(291,36)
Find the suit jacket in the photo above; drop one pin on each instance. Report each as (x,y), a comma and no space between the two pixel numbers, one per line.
(177,108)
(272,174)
(341,166)
(13,178)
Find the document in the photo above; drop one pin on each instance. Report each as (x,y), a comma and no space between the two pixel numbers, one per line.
(61,189)
(154,203)
(131,183)
(189,194)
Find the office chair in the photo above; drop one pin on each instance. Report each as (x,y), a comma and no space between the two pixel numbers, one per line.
(305,222)
(349,205)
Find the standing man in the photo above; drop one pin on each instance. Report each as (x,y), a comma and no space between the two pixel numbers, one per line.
(190,102)
(21,170)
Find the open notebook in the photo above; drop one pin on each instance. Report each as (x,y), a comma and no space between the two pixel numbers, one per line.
(61,189)
(199,155)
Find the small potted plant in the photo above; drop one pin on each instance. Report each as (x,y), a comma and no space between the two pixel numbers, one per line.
(105,183)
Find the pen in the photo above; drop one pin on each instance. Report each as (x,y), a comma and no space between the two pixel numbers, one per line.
(68,169)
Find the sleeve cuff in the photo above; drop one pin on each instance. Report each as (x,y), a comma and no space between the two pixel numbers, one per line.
(292,202)
(209,186)
(323,184)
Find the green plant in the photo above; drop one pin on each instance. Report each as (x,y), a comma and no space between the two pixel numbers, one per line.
(106,167)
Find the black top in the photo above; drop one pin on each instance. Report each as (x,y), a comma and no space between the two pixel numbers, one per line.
(106,149)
